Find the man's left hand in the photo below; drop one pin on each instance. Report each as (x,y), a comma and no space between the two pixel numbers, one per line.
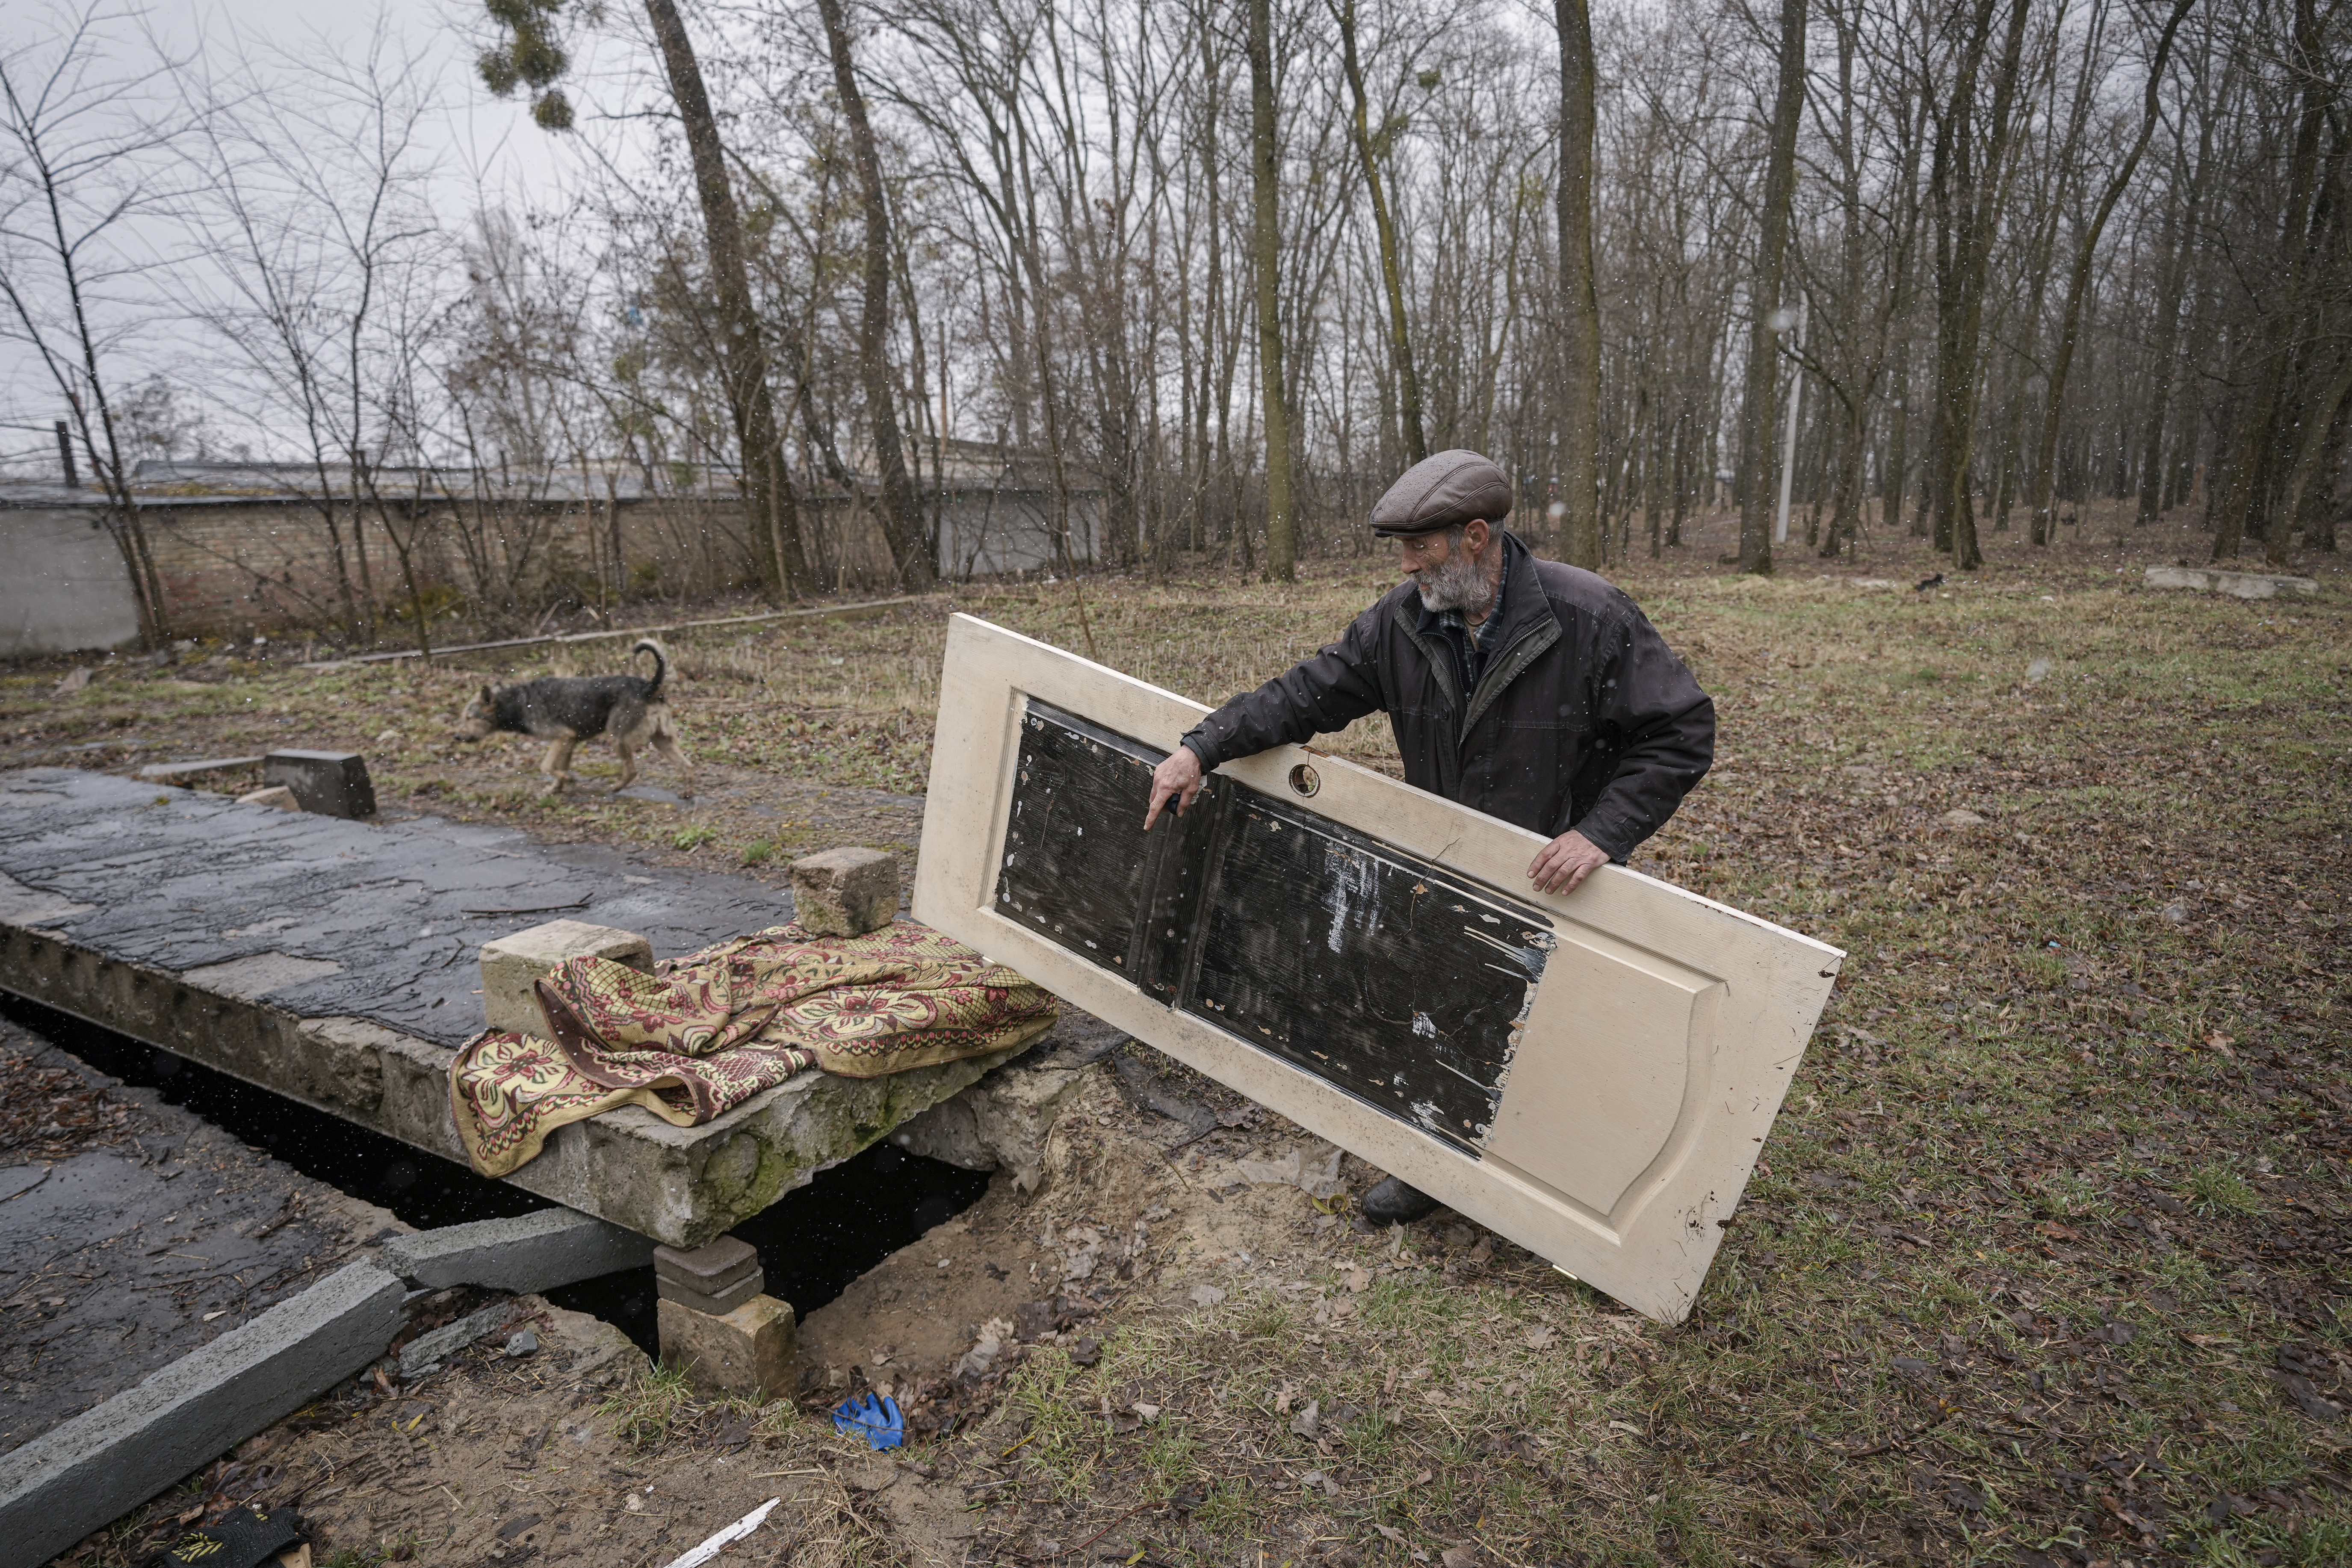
(1564,863)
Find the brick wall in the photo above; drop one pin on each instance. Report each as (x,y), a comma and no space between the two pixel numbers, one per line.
(237,567)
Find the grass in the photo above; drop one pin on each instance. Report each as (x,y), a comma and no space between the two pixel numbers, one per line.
(2060,1188)
(645,1409)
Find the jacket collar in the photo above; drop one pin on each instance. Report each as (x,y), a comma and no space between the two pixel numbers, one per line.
(1528,627)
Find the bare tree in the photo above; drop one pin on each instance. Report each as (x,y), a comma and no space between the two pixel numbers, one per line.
(901,513)
(1769,319)
(1266,270)
(2078,280)
(531,52)
(89,142)
(1372,147)
(1580,306)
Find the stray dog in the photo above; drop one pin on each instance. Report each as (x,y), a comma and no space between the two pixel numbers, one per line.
(565,711)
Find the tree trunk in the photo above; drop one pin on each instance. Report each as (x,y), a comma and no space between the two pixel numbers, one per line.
(2309,460)
(2039,482)
(2240,484)
(1416,442)
(1579,391)
(2179,223)
(743,361)
(1967,189)
(1266,242)
(1759,398)
(902,509)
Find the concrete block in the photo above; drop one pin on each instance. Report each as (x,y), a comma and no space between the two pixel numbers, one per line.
(1000,1123)
(715,1303)
(845,892)
(61,1486)
(714,1279)
(179,772)
(709,1268)
(333,784)
(750,1352)
(531,1252)
(2237,584)
(511,967)
(276,796)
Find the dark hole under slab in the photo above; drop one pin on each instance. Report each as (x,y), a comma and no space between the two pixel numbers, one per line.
(812,1242)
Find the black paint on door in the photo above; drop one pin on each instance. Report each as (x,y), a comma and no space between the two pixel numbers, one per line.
(1376,971)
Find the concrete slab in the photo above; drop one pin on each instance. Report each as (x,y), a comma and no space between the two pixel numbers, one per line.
(58,1487)
(203,927)
(2237,584)
(181,772)
(137,1233)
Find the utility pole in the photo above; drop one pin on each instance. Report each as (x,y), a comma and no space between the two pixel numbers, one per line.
(1789,441)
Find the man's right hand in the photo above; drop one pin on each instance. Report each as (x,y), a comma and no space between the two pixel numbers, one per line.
(1177,779)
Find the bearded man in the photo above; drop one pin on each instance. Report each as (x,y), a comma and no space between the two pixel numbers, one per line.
(1532,692)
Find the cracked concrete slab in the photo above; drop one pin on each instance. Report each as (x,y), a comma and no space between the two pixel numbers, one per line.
(142,1240)
(183,881)
(336,962)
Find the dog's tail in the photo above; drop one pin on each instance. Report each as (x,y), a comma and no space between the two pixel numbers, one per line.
(661,664)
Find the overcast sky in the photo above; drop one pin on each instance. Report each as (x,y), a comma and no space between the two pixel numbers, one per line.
(478,144)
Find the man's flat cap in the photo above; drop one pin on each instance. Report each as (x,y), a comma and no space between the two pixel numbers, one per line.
(1443,492)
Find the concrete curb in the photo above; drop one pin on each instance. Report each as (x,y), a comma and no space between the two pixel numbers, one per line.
(531,1252)
(2237,584)
(104,1462)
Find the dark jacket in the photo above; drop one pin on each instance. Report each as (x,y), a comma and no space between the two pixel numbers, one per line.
(1584,717)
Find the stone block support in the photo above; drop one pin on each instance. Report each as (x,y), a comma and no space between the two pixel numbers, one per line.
(61,1486)
(845,892)
(715,1277)
(750,1352)
(511,967)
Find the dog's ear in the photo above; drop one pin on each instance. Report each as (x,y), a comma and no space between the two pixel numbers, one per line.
(486,691)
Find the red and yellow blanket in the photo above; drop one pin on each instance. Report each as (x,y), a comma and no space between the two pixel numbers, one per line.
(704,1033)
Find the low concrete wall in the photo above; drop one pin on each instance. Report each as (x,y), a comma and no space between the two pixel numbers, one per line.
(63,587)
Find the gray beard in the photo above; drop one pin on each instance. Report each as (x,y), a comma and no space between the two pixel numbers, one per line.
(1457,586)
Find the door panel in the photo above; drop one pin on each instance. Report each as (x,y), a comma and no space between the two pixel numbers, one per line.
(1592,1076)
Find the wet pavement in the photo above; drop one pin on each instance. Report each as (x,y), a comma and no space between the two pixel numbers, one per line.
(326,918)
(132,1232)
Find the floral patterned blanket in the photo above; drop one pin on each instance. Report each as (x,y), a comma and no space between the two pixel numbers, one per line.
(704,1033)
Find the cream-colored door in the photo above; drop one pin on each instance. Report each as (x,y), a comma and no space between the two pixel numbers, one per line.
(1591,1076)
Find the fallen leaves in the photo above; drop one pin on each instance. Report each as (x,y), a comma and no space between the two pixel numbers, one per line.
(996,1336)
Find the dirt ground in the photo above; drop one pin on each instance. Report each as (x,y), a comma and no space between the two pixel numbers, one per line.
(2046,1261)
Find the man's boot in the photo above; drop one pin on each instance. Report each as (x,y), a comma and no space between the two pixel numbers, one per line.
(1391,1202)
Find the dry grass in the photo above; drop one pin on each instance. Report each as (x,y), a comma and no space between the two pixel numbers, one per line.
(2048,1257)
